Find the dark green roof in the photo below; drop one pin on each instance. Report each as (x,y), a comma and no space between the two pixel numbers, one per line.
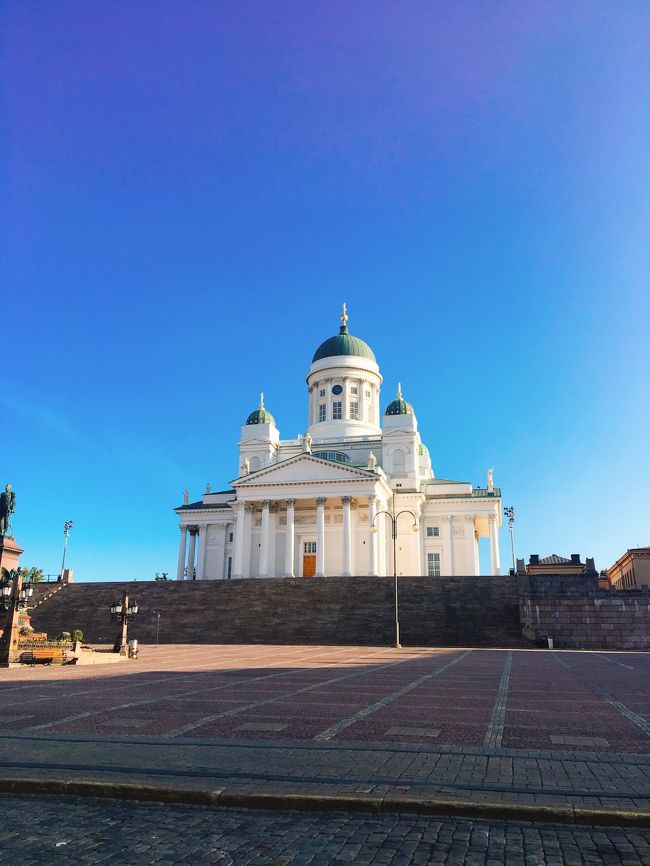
(399,406)
(343,344)
(260,415)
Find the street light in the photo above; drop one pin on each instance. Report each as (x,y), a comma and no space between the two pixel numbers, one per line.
(14,596)
(123,611)
(156,614)
(510,514)
(415,528)
(67,526)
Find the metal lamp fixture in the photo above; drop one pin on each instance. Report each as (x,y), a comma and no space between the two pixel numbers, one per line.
(393,517)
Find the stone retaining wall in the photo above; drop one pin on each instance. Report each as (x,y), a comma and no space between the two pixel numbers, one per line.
(479,611)
(454,611)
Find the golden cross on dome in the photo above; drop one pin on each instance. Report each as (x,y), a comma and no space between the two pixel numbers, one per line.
(344,317)
(399,390)
(262,400)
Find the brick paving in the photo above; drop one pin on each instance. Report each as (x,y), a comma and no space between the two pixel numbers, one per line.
(73,831)
(530,728)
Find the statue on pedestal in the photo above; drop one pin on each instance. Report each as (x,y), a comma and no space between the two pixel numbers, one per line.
(372,461)
(7,508)
(306,443)
(490,481)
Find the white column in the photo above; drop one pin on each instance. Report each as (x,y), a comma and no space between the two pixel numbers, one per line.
(477,561)
(238,553)
(264,541)
(191,556)
(289,543)
(373,571)
(249,523)
(347,537)
(494,545)
(180,571)
(448,564)
(320,537)
(203,540)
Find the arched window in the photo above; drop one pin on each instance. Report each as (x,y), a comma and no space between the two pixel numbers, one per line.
(399,460)
(255,464)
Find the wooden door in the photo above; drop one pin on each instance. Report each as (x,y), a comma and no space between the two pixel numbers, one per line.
(308,565)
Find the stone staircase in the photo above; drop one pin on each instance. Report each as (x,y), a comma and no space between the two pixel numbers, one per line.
(474,611)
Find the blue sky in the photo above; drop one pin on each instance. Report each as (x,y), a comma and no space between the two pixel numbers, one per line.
(190,190)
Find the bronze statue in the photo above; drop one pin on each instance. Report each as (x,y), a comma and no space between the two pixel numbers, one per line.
(7,508)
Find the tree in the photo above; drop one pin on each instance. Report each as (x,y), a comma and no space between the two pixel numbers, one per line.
(77,634)
(34,574)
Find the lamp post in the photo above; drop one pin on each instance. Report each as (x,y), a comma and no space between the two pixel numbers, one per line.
(14,596)
(122,612)
(156,614)
(510,514)
(393,521)
(67,526)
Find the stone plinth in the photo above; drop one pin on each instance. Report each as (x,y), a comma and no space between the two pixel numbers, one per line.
(9,553)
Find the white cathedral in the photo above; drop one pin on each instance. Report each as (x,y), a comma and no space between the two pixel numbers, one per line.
(311,507)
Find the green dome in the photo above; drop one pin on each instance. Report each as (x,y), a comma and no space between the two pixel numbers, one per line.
(260,415)
(399,406)
(343,344)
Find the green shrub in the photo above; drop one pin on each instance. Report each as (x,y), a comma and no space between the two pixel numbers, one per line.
(65,635)
(77,634)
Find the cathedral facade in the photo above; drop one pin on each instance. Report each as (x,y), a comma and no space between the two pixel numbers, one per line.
(312,506)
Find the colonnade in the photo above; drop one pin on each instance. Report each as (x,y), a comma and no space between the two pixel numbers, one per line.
(266,563)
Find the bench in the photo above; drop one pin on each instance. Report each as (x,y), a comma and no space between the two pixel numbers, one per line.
(45,656)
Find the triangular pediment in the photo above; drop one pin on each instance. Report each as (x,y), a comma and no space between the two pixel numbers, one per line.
(304,468)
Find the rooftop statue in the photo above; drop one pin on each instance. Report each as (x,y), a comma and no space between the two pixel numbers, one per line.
(7,508)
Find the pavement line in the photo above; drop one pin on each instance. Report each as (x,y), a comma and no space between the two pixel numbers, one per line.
(366,711)
(619,706)
(612,662)
(494,733)
(191,675)
(237,710)
(170,697)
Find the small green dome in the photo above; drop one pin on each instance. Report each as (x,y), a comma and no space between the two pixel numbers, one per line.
(399,406)
(343,344)
(260,415)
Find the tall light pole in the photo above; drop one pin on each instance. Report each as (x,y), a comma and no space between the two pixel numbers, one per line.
(393,521)
(510,514)
(67,526)
(156,614)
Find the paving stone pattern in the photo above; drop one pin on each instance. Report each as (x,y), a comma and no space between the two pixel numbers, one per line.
(72,831)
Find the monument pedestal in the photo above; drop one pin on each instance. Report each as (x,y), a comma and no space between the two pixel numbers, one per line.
(9,557)
(9,553)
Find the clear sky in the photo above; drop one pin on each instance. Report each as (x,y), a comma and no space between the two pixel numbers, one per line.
(189,190)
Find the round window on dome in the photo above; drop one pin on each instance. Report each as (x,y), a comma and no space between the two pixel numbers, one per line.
(337,389)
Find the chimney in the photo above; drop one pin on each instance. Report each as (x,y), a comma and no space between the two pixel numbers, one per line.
(575,559)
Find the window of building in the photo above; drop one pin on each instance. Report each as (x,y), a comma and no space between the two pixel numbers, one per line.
(433,564)
(433,531)
(368,394)
(337,410)
(230,536)
(322,392)
(229,568)
(310,547)
(322,412)
(354,411)
(354,390)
